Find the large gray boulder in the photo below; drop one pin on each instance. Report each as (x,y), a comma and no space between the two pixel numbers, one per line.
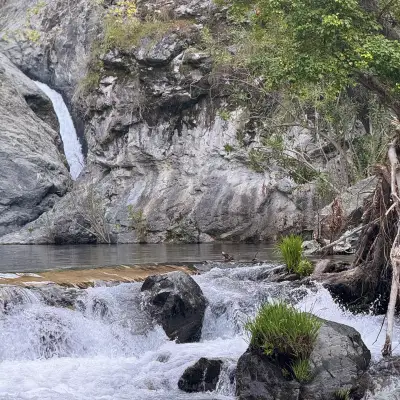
(33,175)
(177,303)
(338,361)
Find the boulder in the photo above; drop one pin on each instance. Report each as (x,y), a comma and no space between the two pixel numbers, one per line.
(177,303)
(202,376)
(338,361)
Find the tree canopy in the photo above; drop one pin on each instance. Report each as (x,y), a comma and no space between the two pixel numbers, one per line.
(337,42)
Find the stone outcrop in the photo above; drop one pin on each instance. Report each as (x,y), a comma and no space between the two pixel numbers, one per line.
(203,376)
(33,175)
(338,361)
(157,146)
(177,303)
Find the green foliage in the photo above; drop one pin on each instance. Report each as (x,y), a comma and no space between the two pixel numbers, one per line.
(342,394)
(302,370)
(228,148)
(337,42)
(280,329)
(224,114)
(291,250)
(305,268)
(257,160)
(138,222)
(130,32)
(90,81)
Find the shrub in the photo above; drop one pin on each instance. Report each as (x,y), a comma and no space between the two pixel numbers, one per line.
(305,268)
(291,250)
(280,329)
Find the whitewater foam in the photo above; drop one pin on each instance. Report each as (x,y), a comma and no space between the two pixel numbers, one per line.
(106,347)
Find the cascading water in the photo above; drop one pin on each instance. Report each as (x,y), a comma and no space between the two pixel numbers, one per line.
(72,147)
(105,347)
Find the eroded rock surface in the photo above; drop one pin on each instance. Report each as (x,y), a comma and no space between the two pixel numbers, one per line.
(158,151)
(33,175)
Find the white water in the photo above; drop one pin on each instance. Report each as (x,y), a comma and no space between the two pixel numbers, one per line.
(72,147)
(106,348)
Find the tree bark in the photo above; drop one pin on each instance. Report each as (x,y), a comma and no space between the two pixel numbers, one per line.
(395,250)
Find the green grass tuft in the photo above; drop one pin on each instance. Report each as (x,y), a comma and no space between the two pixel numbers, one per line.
(342,394)
(291,250)
(280,329)
(302,370)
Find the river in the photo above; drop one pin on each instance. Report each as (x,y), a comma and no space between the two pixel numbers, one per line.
(79,353)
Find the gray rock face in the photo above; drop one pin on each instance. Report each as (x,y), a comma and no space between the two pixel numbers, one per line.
(32,172)
(338,361)
(177,303)
(157,146)
(201,377)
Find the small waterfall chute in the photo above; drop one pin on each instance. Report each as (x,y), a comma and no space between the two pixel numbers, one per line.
(72,146)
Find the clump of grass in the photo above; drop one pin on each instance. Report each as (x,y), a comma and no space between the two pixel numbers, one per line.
(302,371)
(291,250)
(280,329)
(127,34)
(342,394)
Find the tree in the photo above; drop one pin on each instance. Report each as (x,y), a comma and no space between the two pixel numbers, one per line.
(339,44)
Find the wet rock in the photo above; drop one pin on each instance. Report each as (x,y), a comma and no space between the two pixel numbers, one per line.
(339,360)
(257,377)
(177,303)
(384,377)
(58,296)
(202,376)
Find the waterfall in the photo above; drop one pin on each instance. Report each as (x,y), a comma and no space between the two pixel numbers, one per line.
(72,147)
(105,347)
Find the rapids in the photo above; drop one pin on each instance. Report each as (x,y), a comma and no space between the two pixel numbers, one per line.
(104,346)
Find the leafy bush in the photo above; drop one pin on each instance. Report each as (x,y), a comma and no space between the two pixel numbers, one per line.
(291,250)
(301,370)
(305,268)
(280,329)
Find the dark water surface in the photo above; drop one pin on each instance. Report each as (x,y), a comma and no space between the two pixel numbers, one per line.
(39,258)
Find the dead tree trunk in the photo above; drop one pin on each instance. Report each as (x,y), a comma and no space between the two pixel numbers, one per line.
(395,250)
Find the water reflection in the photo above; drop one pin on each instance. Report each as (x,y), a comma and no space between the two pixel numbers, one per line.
(36,258)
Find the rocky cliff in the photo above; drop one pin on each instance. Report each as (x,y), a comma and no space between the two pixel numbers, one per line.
(160,165)
(32,173)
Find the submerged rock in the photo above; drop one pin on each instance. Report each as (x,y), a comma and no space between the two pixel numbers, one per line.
(202,376)
(338,361)
(177,303)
